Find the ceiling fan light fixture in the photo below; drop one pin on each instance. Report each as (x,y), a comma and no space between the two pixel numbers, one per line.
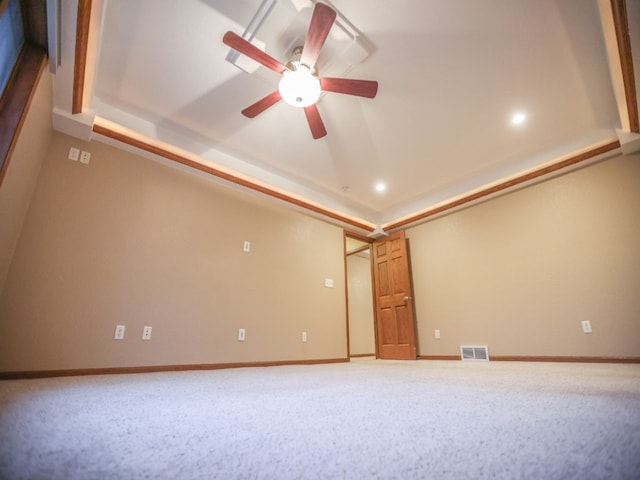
(299,87)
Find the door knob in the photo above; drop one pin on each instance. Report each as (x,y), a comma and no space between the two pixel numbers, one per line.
(407,298)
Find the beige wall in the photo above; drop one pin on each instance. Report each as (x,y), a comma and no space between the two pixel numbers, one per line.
(520,272)
(129,241)
(360,291)
(24,166)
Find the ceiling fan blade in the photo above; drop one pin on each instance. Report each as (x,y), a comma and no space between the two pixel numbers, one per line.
(261,105)
(315,122)
(321,23)
(241,45)
(361,88)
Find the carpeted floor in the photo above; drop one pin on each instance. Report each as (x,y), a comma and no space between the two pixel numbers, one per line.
(365,419)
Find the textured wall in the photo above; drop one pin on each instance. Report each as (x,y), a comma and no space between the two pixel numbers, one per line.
(125,240)
(520,272)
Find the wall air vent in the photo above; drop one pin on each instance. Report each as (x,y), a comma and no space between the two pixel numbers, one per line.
(474,352)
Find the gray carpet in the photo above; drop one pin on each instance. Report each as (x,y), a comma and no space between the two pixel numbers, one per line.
(366,419)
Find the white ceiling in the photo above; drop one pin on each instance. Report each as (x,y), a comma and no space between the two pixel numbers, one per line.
(451,74)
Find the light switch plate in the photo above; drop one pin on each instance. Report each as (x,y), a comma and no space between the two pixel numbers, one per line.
(74,154)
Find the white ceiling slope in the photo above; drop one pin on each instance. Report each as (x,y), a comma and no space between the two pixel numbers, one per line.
(451,75)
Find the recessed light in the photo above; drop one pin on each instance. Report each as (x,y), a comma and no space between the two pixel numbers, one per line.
(380,187)
(518,118)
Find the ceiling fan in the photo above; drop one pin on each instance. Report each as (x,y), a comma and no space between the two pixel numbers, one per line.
(300,84)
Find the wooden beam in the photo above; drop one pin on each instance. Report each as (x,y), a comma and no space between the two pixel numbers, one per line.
(621,23)
(80,62)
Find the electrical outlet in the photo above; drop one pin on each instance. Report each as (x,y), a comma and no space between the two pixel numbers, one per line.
(146,333)
(246,246)
(328,282)
(586,326)
(304,336)
(119,333)
(85,157)
(74,154)
(241,334)
(437,334)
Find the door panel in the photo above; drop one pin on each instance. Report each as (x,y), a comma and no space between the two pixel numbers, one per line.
(394,308)
(388,328)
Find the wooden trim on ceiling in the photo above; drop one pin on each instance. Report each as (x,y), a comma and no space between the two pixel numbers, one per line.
(622,33)
(494,189)
(17,97)
(176,157)
(80,62)
(621,24)
(358,236)
(160,368)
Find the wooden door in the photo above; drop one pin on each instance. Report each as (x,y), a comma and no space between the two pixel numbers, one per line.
(395,333)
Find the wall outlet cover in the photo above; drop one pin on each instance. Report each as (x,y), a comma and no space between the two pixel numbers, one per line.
(146,333)
(74,154)
(119,333)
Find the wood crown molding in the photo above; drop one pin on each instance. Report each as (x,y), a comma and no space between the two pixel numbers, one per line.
(149,147)
(624,46)
(507,184)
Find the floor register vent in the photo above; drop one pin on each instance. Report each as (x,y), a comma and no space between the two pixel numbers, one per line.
(474,352)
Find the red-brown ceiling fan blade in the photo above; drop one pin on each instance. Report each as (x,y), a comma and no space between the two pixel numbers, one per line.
(321,23)
(361,88)
(241,45)
(261,105)
(315,122)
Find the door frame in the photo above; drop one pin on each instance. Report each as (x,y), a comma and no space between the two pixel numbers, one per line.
(369,242)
